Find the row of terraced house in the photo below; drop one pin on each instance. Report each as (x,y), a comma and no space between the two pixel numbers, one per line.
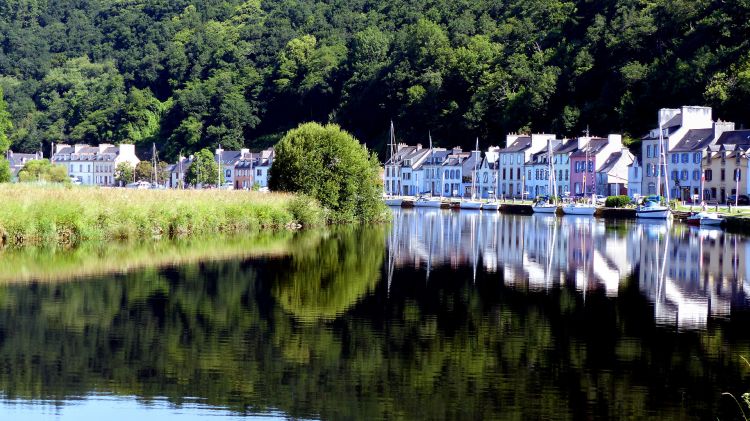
(703,157)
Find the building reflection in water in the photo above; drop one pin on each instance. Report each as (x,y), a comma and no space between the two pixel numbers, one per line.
(688,274)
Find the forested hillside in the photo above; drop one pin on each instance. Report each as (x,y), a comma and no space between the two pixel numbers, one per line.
(193,73)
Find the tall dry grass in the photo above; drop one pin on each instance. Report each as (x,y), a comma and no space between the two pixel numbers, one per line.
(62,216)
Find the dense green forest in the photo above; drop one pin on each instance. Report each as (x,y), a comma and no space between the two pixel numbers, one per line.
(188,74)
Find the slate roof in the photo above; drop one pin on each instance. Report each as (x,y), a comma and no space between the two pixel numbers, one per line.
(614,158)
(594,146)
(694,140)
(520,144)
(568,146)
(735,137)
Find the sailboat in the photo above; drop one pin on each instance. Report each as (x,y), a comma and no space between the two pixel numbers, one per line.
(582,208)
(545,206)
(651,208)
(389,198)
(429,201)
(473,203)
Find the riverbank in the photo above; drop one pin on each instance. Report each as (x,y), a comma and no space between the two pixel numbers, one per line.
(66,216)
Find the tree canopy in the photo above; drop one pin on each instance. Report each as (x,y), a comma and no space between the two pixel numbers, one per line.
(189,74)
(43,170)
(204,170)
(330,165)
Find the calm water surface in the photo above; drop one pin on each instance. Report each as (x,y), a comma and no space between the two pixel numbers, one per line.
(441,315)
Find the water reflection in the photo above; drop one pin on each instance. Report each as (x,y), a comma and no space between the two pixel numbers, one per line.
(690,274)
(438,316)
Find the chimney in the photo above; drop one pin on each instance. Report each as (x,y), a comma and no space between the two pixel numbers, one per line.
(104,146)
(696,117)
(615,141)
(78,146)
(60,146)
(721,127)
(419,146)
(666,114)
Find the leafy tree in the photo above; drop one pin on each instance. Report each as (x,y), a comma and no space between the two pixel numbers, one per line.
(5,173)
(144,171)
(330,165)
(204,170)
(124,173)
(43,170)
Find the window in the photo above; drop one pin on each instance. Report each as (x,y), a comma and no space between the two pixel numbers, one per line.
(518,173)
(591,166)
(229,173)
(675,158)
(503,172)
(566,175)
(697,158)
(559,174)
(648,151)
(259,173)
(504,160)
(675,175)
(709,174)
(685,158)
(723,174)
(486,176)
(519,160)
(738,174)
(696,175)
(648,170)
(684,175)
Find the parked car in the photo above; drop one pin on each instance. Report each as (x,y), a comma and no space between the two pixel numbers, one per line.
(742,200)
(139,185)
(76,181)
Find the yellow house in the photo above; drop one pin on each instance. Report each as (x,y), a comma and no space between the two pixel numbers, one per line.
(725,171)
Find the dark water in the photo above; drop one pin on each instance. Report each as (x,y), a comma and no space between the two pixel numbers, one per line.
(440,316)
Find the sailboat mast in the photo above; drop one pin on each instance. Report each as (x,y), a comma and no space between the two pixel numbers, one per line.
(658,170)
(474,178)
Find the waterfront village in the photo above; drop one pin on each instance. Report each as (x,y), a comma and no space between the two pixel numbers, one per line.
(705,158)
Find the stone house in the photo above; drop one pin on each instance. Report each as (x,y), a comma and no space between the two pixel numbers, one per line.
(94,165)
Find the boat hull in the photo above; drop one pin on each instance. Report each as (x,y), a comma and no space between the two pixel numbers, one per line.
(471,205)
(653,213)
(391,201)
(711,222)
(491,206)
(545,209)
(579,210)
(428,204)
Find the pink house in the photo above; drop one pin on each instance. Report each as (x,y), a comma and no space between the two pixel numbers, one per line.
(587,160)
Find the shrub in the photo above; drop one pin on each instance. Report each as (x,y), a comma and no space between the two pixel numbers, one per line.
(330,165)
(617,201)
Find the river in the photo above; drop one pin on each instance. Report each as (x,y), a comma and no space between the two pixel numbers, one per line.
(439,315)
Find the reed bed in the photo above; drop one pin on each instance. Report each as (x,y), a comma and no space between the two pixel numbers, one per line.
(66,216)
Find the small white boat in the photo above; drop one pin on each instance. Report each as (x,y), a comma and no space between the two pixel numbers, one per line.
(579,209)
(428,202)
(393,201)
(491,206)
(652,210)
(705,218)
(547,208)
(471,204)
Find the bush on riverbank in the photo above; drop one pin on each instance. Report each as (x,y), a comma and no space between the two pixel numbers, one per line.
(617,201)
(50,215)
(329,164)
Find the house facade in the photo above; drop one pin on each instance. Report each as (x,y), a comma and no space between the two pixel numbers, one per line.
(612,176)
(488,170)
(588,160)
(513,160)
(94,165)
(18,160)
(561,164)
(538,170)
(725,166)
(635,178)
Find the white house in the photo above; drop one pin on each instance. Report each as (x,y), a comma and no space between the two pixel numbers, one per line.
(263,167)
(228,161)
(538,170)
(561,163)
(94,165)
(635,178)
(513,158)
(612,176)
(488,170)
(453,173)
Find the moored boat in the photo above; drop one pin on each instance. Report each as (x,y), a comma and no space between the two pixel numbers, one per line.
(579,209)
(704,218)
(393,201)
(491,206)
(428,202)
(471,204)
(652,210)
(546,208)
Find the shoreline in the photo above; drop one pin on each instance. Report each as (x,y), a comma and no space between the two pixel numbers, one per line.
(59,216)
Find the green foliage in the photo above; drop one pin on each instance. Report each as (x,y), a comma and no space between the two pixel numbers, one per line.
(43,170)
(617,201)
(65,216)
(204,170)
(188,75)
(124,173)
(5,173)
(5,124)
(331,166)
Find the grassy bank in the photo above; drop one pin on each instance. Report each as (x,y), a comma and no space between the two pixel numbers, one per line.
(67,216)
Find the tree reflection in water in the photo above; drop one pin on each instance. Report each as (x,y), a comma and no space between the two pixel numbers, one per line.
(314,331)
